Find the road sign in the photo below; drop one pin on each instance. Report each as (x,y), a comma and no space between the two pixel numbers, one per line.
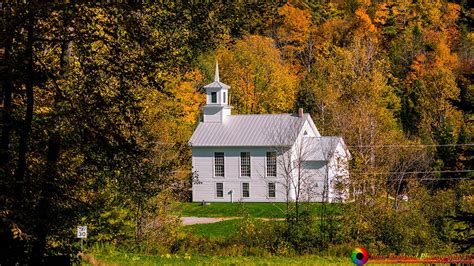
(82,232)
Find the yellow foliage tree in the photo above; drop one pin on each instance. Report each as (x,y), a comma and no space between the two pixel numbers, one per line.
(353,99)
(261,81)
(170,118)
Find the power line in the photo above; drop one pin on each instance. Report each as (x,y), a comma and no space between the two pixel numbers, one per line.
(412,145)
(440,179)
(420,179)
(424,178)
(391,173)
(383,173)
(362,146)
(412,172)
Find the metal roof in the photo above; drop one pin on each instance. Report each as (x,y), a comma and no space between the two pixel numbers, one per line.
(322,148)
(249,130)
(216,85)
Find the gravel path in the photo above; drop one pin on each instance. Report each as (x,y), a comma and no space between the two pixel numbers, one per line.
(204,220)
(211,220)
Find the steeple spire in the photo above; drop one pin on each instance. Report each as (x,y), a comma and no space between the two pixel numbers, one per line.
(216,77)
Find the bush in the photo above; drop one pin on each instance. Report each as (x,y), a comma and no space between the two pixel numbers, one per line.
(418,225)
(304,233)
(294,236)
(160,232)
(114,225)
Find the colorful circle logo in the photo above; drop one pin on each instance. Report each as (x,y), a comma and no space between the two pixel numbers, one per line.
(360,256)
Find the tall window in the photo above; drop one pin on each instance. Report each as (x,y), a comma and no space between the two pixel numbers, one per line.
(220,190)
(245,190)
(271,190)
(271,164)
(219,164)
(213,97)
(224,97)
(245,164)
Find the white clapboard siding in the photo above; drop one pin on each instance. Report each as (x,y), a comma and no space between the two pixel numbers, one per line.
(203,164)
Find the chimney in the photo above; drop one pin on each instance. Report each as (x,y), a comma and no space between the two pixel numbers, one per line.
(300,112)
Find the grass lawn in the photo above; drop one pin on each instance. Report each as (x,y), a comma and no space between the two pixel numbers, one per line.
(255,209)
(121,258)
(219,230)
(222,229)
(118,258)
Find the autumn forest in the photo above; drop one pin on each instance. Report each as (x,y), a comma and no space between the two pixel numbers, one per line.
(99,100)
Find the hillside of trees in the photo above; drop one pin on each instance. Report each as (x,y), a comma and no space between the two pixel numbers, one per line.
(99,100)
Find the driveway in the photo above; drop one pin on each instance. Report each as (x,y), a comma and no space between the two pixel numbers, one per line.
(211,220)
(204,220)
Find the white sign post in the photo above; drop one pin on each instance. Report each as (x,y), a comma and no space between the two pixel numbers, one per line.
(82,233)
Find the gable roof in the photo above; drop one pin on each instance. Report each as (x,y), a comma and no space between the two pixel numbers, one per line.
(323,148)
(250,130)
(217,85)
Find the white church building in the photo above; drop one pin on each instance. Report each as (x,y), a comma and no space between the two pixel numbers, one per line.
(263,157)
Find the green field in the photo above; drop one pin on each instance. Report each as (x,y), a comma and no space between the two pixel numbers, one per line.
(120,258)
(254,209)
(117,258)
(219,230)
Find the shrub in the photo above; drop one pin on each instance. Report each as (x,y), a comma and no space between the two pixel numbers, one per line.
(418,225)
(114,225)
(304,233)
(160,232)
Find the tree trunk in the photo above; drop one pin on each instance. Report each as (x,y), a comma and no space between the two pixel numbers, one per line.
(50,180)
(48,189)
(26,125)
(7,108)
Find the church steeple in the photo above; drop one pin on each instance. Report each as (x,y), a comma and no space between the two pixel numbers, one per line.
(217,103)
(216,76)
